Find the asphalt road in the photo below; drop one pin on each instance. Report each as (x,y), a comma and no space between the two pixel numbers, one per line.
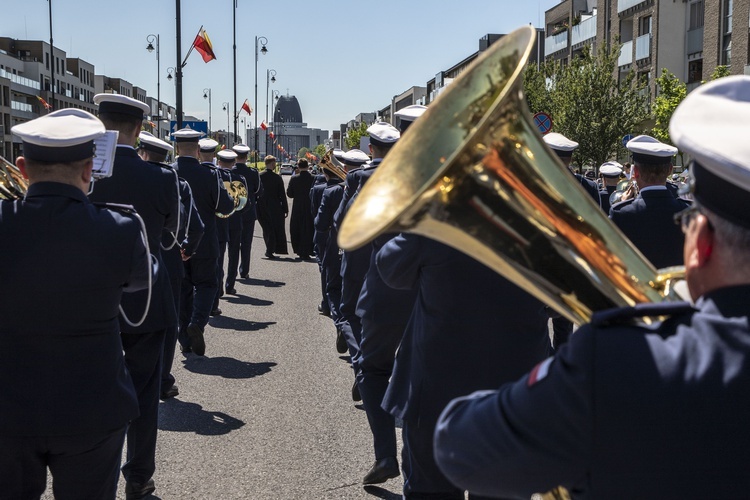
(267,413)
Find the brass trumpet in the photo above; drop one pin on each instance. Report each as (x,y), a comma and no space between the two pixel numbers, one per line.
(330,163)
(12,184)
(474,173)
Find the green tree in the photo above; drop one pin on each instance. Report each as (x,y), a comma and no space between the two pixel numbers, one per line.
(353,136)
(320,150)
(302,153)
(536,88)
(588,104)
(671,93)
(720,72)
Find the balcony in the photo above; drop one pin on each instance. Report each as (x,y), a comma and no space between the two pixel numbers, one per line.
(26,82)
(623,5)
(555,43)
(21,106)
(585,30)
(695,41)
(643,47)
(626,54)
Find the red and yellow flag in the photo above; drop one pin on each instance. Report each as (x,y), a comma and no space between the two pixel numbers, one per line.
(44,103)
(203,45)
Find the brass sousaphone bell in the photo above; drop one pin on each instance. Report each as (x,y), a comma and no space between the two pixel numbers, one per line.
(474,173)
(238,192)
(12,184)
(333,165)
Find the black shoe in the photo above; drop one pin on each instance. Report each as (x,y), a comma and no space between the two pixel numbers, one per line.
(382,470)
(216,312)
(197,342)
(169,393)
(341,346)
(185,350)
(323,311)
(135,491)
(247,276)
(355,393)
(231,290)
(270,255)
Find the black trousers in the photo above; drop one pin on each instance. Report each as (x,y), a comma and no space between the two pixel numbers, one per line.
(350,323)
(84,466)
(245,246)
(197,298)
(234,247)
(143,353)
(170,340)
(220,273)
(377,354)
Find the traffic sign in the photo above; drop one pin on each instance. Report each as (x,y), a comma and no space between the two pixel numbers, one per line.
(200,126)
(626,139)
(543,121)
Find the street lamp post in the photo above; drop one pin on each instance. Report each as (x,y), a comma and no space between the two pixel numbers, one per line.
(150,47)
(225,107)
(270,78)
(207,95)
(263,41)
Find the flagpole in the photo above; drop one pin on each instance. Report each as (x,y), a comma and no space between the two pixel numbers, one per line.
(52,57)
(234,65)
(178,68)
(263,41)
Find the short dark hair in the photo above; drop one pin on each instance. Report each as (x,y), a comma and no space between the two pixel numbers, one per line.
(120,122)
(302,163)
(654,174)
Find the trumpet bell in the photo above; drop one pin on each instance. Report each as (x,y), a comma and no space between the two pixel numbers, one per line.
(332,165)
(474,173)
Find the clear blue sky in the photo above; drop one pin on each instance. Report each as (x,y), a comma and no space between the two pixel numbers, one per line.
(338,57)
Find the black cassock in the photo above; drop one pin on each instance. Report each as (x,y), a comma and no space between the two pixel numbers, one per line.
(272,210)
(301,224)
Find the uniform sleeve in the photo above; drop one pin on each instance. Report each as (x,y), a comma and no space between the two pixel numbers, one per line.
(527,437)
(141,263)
(324,218)
(195,227)
(398,261)
(171,201)
(224,204)
(258,186)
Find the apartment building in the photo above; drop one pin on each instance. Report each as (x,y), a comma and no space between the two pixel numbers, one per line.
(689,38)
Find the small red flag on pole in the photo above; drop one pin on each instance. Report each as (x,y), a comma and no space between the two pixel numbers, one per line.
(246,107)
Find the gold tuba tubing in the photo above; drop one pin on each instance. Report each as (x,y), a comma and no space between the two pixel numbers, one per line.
(12,184)
(330,163)
(238,192)
(474,173)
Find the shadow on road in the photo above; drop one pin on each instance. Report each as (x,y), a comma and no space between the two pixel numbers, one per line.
(226,367)
(266,283)
(180,416)
(244,299)
(239,324)
(379,492)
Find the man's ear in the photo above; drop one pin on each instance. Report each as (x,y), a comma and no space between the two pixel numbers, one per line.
(634,172)
(704,241)
(88,167)
(21,164)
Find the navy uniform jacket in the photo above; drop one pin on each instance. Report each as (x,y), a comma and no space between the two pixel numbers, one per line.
(254,189)
(152,190)
(470,328)
(188,235)
(316,192)
(620,412)
(354,264)
(62,370)
(648,221)
(590,187)
(234,222)
(324,226)
(604,195)
(210,196)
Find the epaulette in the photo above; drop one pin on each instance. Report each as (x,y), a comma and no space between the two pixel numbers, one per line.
(621,315)
(117,207)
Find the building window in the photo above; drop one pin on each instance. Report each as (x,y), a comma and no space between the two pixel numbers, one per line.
(695,71)
(644,25)
(46,60)
(728,9)
(726,52)
(696,14)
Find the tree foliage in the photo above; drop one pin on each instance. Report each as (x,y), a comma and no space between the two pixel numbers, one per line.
(586,102)
(302,153)
(720,72)
(353,136)
(320,150)
(671,93)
